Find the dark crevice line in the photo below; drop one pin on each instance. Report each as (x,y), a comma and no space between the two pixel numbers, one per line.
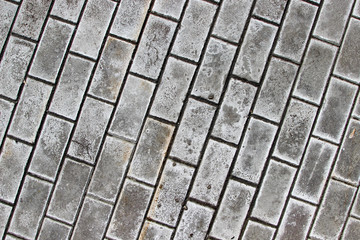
(303,100)
(162,120)
(80,55)
(63,20)
(203,100)
(244,80)
(163,16)
(138,75)
(53,114)
(183,59)
(265,20)
(122,39)
(17,35)
(89,95)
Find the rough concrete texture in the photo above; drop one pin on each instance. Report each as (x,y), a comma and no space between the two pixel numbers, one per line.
(179,119)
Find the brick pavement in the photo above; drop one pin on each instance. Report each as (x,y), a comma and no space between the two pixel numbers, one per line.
(179,119)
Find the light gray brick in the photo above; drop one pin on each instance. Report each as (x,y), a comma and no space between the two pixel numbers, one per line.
(172,8)
(54,230)
(315,71)
(314,170)
(7,14)
(255,50)
(352,230)
(357,108)
(153,47)
(296,221)
(5,108)
(110,168)
(50,147)
(273,192)
(4,215)
(295,131)
(69,10)
(92,220)
(296,29)
(9,237)
(332,19)
(30,207)
(51,50)
(270,9)
(150,151)
(69,190)
(91,30)
(152,231)
(171,193)
(192,131)
(212,172)
(213,70)
(30,110)
(231,20)
(172,89)
(356,11)
(254,150)
(13,66)
(232,211)
(234,111)
(194,29)
(194,222)
(356,206)
(256,231)
(335,110)
(348,163)
(333,211)
(111,69)
(348,62)
(90,130)
(71,87)
(31,17)
(130,18)
(132,204)
(275,89)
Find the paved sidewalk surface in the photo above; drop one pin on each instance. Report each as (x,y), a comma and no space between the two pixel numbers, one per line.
(179,119)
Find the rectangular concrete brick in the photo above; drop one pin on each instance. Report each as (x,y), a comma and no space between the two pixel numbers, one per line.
(92,220)
(254,150)
(31,17)
(7,14)
(275,89)
(214,69)
(152,230)
(194,222)
(255,50)
(295,131)
(273,192)
(132,204)
(255,231)
(150,151)
(110,168)
(314,170)
(90,130)
(296,29)
(332,20)
(172,89)
(91,30)
(352,230)
(333,211)
(71,87)
(132,107)
(153,47)
(5,108)
(348,62)
(234,111)
(232,211)
(356,10)
(52,229)
(296,221)
(192,131)
(315,71)
(348,163)
(69,10)
(212,172)
(232,18)
(50,147)
(51,50)
(270,9)
(5,211)
(30,110)
(171,193)
(111,69)
(30,207)
(69,190)
(13,66)
(194,29)
(171,8)
(13,159)
(356,206)
(335,110)
(130,18)
(356,111)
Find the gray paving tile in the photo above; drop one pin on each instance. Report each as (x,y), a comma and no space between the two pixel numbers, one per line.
(356,11)
(214,69)
(155,231)
(5,108)
(5,211)
(270,9)
(150,151)
(13,66)
(172,8)
(356,206)
(194,29)
(69,10)
(357,108)
(352,230)
(255,50)
(54,230)
(255,231)
(7,14)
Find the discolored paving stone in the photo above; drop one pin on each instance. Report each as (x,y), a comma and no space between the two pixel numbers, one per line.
(5,108)
(172,8)
(5,211)
(69,10)
(53,229)
(352,230)
(255,231)
(152,230)
(7,14)
(270,9)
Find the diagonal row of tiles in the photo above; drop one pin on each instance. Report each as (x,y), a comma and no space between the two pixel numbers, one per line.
(179,119)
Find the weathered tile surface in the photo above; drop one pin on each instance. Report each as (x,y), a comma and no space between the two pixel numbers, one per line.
(155,231)
(69,10)
(256,231)
(7,14)
(172,8)
(5,211)
(52,229)
(352,230)
(270,9)
(5,108)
